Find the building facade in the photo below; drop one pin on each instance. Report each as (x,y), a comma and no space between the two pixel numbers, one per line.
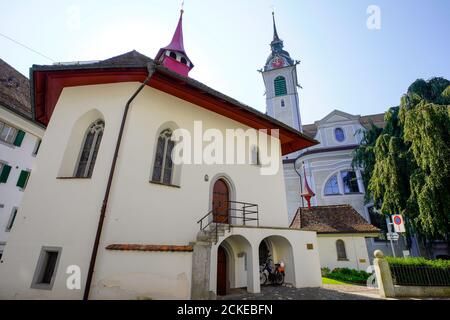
(20,138)
(108,200)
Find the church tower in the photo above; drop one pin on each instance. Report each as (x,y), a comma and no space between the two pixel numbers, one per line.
(280,80)
(173,56)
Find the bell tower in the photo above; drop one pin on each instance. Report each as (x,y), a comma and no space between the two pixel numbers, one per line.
(173,56)
(280,79)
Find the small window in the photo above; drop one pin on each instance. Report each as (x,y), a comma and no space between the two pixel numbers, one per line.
(9,134)
(36,147)
(90,149)
(340,248)
(183,60)
(11,220)
(173,55)
(339,134)
(280,86)
(332,187)
(282,103)
(4,172)
(350,182)
(45,273)
(23,179)
(255,160)
(163,165)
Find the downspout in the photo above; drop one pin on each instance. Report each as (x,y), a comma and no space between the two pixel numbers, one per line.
(151,70)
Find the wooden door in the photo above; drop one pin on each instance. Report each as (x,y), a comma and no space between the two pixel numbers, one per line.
(221,272)
(220,203)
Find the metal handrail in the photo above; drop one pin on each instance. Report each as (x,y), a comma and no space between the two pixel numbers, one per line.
(245,212)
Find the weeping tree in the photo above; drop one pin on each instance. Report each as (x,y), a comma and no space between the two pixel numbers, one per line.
(408,163)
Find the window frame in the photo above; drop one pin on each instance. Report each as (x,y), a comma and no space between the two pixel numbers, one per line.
(41,265)
(343,134)
(12,138)
(335,176)
(166,135)
(93,150)
(280,86)
(341,252)
(344,184)
(12,219)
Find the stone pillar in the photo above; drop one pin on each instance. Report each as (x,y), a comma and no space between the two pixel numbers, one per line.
(253,282)
(383,274)
(201,261)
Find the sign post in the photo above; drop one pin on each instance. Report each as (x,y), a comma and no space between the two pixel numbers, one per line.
(390,235)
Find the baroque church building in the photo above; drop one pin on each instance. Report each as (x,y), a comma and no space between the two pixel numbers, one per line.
(348,229)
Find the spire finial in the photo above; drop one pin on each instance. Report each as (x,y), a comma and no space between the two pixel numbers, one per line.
(182,7)
(275,33)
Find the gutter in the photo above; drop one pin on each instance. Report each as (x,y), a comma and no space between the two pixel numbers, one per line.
(151,70)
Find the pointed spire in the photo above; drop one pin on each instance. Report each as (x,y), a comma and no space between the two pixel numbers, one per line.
(173,56)
(275,33)
(308,194)
(177,40)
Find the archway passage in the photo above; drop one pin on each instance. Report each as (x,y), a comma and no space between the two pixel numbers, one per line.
(221,198)
(280,250)
(221,271)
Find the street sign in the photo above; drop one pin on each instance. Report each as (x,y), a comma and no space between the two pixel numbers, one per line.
(393,236)
(399,225)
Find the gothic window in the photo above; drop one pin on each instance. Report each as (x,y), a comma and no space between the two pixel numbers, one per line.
(183,60)
(163,165)
(90,149)
(339,134)
(350,182)
(280,86)
(332,187)
(282,103)
(340,249)
(173,55)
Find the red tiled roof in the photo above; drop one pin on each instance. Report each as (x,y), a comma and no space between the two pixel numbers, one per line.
(332,219)
(149,247)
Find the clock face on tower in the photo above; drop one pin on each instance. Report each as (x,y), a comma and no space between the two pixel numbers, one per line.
(277,62)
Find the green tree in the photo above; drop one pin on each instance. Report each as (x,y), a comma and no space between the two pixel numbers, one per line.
(408,164)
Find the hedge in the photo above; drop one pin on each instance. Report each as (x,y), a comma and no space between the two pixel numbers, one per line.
(438,263)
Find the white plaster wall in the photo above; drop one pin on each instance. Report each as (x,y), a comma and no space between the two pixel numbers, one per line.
(355,247)
(19,158)
(303,263)
(64,212)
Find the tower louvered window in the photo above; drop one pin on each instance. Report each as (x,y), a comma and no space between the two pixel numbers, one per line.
(280,86)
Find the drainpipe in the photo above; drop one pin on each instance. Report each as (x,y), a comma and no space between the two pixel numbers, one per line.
(151,70)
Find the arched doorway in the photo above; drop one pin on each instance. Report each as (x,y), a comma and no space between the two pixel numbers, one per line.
(221,271)
(220,201)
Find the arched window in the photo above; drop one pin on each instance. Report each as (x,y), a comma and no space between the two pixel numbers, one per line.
(163,165)
(90,149)
(340,248)
(280,86)
(339,134)
(183,60)
(173,55)
(332,187)
(282,103)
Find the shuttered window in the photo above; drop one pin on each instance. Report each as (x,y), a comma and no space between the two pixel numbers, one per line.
(163,165)
(23,179)
(19,138)
(4,172)
(11,220)
(280,86)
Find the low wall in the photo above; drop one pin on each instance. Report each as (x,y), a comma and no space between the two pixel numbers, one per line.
(387,288)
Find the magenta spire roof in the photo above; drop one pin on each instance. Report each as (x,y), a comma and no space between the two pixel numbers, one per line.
(177,43)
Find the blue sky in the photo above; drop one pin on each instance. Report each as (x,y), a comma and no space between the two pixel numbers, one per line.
(344,65)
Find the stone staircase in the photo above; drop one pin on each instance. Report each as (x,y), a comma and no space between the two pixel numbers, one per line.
(209,234)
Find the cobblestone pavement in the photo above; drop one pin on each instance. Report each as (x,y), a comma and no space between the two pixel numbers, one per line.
(327,292)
